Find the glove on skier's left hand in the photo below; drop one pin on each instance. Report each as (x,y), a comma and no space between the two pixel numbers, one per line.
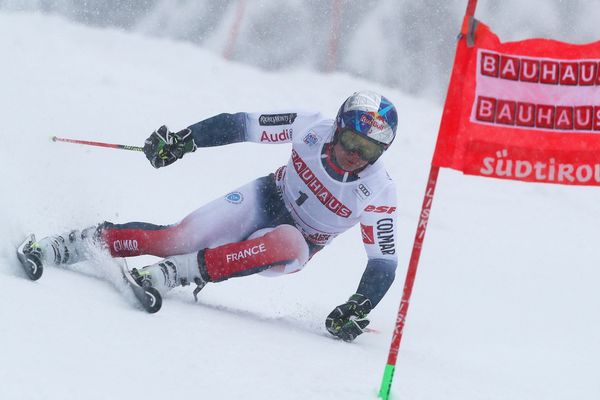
(164,147)
(349,320)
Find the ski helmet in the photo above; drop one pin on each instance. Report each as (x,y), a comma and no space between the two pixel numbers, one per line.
(369,114)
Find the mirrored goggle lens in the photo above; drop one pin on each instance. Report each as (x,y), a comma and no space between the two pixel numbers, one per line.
(368,150)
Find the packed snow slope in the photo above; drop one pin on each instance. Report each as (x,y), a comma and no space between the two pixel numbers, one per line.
(505,304)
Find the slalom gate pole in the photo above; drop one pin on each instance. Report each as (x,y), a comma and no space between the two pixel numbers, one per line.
(98,144)
(235,30)
(388,374)
(334,35)
(411,273)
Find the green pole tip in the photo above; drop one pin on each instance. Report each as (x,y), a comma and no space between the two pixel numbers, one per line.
(386,382)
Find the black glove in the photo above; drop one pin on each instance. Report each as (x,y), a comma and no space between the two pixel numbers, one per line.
(164,147)
(349,320)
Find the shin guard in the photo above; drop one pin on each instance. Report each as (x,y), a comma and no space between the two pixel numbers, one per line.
(134,239)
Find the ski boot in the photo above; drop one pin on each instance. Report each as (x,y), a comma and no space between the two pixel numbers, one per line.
(170,273)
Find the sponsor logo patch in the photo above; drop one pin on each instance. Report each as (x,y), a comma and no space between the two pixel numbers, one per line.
(277,119)
(385,236)
(326,198)
(362,191)
(375,121)
(235,197)
(282,136)
(125,245)
(319,238)
(367,234)
(544,80)
(280,173)
(380,209)
(240,255)
(504,164)
(311,139)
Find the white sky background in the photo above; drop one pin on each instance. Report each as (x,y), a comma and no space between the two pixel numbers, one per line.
(505,304)
(402,43)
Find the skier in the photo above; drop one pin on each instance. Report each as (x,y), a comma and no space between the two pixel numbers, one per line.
(274,224)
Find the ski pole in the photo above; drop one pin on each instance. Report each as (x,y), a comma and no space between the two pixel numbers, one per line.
(99,144)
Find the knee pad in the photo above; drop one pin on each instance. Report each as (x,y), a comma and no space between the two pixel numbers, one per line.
(292,239)
(282,248)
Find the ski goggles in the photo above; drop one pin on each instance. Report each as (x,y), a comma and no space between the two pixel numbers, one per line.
(367,149)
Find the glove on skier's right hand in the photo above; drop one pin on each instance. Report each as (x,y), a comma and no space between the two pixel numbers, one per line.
(349,320)
(164,147)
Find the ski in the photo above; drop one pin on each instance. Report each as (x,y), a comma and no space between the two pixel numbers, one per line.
(30,262)
(149,298)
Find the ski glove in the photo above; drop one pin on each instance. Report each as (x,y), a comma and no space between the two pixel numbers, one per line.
(349,320)
(164,147)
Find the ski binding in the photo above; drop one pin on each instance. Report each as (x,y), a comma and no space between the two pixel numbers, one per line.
(149,297)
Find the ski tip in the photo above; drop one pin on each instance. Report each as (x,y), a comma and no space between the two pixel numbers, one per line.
(35,273)
(32,269)
(152,300)
(148,297)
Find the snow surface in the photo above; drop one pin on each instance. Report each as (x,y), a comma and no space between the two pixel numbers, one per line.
(505,304)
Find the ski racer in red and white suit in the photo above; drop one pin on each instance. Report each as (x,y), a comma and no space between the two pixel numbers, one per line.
(274,224)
